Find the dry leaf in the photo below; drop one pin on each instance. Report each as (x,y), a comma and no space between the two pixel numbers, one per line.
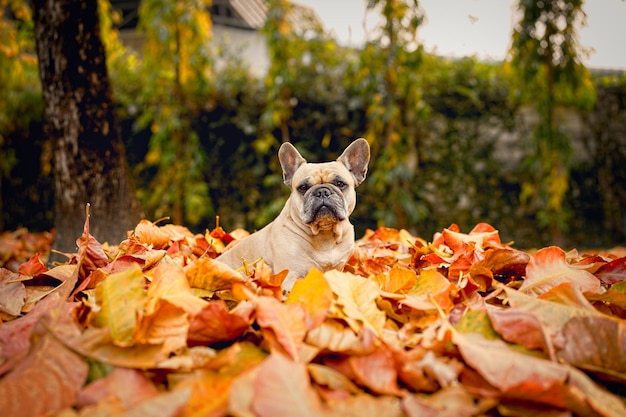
(356,300)
(548,268)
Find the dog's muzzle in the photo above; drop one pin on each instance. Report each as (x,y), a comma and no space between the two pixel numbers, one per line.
(323,201)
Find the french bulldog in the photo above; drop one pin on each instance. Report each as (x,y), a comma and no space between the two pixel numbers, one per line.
(313,229)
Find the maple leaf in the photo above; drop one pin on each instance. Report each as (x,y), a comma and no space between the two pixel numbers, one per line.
(548,268)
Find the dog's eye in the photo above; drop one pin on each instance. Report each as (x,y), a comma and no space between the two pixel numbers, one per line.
(340,184)
(303,188)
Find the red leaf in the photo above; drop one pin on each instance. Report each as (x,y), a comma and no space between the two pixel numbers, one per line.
(215,324)
(612,272)
(32,267)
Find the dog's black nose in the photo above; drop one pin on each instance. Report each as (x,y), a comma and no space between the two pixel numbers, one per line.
(322,192)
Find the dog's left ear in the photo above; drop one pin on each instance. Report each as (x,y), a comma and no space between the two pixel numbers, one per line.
(290,160)
(355,158)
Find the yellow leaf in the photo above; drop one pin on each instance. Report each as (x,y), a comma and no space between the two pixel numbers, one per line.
(314,295)
(356,300)
(211,275)
(121,296)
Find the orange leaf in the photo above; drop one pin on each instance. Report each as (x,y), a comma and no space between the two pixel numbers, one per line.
(283,389)
(286,321)
(214,323)
(398,280)
(314,295)
(431,290)
(150,234)
(212,275)
(170,283)
(32,267)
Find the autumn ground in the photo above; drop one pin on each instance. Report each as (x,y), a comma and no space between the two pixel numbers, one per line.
(461,325)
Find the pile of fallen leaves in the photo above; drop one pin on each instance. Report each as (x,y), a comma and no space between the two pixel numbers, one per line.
(461,326)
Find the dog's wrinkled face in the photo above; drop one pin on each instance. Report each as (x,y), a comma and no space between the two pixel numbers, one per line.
(324,193)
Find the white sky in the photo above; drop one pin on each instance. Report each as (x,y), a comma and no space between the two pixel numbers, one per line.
(483,27)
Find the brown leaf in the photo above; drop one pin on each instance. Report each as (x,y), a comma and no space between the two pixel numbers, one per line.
(12,294)
(515,375)
(518,325)
(332,379)
(15,335)
(336,337)
(596,344)
(164,324)
(46,381)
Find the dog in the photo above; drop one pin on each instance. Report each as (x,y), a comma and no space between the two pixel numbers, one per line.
(313,229)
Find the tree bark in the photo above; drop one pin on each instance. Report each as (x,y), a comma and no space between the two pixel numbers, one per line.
(89,162)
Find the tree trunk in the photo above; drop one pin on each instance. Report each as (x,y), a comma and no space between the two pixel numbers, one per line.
(89,162)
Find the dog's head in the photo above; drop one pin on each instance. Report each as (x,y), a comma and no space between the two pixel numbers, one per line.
(324,193)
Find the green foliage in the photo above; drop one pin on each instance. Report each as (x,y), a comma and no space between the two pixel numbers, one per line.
(202,138)
(546,56)
(21,93)
(390,79)
(178,73)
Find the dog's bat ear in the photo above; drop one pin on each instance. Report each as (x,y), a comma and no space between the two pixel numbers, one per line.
(290,160)
(355,158)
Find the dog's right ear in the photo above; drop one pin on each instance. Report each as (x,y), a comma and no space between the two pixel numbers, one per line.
(290,160)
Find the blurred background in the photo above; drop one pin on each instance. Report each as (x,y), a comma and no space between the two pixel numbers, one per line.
(506,112)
